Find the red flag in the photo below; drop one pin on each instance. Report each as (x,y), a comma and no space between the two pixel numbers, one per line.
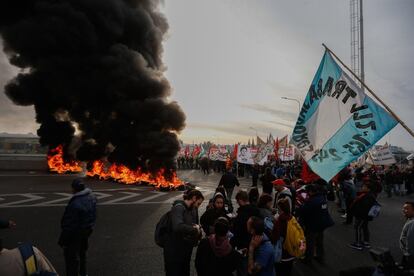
(307,174)
(234,155)
(276,149)
(196,151)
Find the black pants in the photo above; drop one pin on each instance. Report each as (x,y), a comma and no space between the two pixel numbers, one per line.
(314,245)
(75,255)
(284,268)
(361,230)
(177,268)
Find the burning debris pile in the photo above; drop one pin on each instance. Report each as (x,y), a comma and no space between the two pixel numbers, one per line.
(93,71)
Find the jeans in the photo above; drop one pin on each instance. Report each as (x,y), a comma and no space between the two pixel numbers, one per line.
(314,244)
(361,231)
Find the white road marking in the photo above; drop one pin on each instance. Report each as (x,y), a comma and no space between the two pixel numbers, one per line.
(129,195)
(66,197)
(30,197)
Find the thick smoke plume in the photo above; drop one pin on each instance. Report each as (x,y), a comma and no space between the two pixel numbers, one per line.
(94,65)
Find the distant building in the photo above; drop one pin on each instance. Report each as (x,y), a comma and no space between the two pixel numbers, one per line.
(400,154)
(20,144)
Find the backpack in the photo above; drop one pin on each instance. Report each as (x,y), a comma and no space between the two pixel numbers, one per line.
(163,229)
(375,210)
(30,262)
(295,242)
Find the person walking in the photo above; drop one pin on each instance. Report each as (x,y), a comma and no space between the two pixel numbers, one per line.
(77,225)
(407,236)
(229,181)
(215,255)
(267,179)
(184,235)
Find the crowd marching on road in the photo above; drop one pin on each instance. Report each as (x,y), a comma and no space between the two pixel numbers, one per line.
(277,224)
(271,231)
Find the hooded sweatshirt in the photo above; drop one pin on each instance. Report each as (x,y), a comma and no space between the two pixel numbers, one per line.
(215,256)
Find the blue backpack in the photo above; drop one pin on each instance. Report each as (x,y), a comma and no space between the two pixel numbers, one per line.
(30,262)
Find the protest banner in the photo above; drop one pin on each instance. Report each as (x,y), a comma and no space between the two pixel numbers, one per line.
(380,155)
(338,122)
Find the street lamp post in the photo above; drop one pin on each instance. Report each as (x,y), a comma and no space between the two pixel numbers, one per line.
(292,99)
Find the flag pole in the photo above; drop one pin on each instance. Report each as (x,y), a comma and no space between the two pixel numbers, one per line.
(372,93)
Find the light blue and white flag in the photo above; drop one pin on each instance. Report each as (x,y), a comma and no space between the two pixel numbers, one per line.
(338,122)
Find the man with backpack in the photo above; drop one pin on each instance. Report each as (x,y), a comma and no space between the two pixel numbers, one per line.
(182,235)
(77,225)
(314,217)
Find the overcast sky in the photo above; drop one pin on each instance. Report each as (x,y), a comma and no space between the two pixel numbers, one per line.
(230,61)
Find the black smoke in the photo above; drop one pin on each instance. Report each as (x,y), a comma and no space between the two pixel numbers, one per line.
(95,64)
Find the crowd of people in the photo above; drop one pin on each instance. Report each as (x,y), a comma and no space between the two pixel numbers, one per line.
(77,225)
(277,223)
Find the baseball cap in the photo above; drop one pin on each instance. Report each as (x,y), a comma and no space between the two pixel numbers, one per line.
(278,182)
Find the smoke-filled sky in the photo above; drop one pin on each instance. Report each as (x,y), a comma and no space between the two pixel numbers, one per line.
(230,62)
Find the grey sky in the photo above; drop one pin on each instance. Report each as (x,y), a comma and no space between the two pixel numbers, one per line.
(230,61)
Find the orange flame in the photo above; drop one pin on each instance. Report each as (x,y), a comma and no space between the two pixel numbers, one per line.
(123,174)
(57,164)
(118,173)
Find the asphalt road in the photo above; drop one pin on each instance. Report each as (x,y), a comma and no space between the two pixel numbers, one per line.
(122,243)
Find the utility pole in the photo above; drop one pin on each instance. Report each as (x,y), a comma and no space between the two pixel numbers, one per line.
(357,39)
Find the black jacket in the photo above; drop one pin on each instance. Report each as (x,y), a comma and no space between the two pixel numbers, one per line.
(208,264)
(267,184)
(362,204)
(241,237)
(79,217)
(209,217)
(314,214)
(229,180)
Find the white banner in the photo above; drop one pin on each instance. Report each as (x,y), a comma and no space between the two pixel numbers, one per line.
(245,155)
(287,153)
(381,155)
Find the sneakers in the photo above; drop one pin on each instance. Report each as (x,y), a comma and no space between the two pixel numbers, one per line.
(366,245)
(343,216)
(356,246)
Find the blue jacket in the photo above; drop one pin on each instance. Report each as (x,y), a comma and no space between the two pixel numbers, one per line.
(314,214)
(79,216)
